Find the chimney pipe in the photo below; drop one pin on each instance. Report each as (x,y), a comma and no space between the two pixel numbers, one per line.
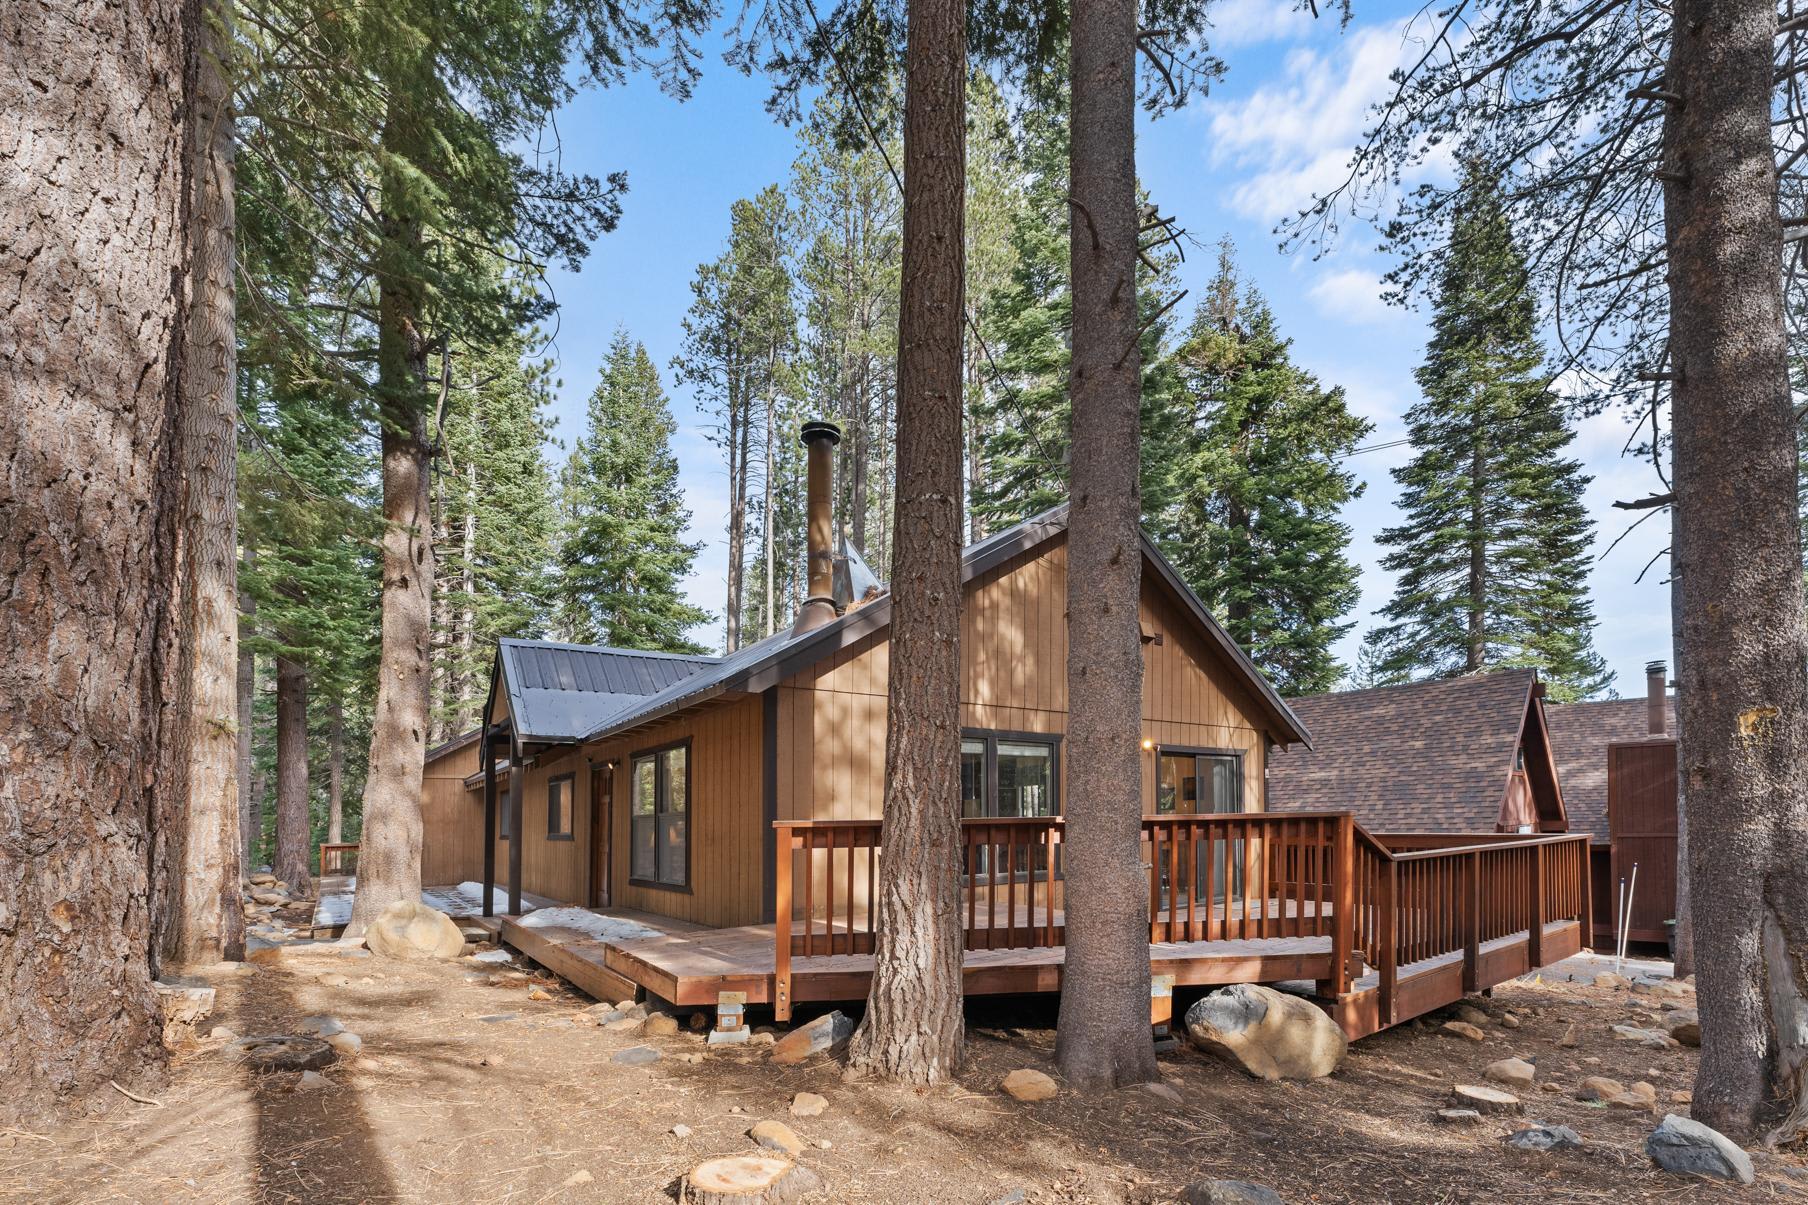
(1656,718)
(819,605)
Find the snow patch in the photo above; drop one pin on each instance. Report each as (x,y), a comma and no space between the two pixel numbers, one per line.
(492,956)
(473,892)
(606,928)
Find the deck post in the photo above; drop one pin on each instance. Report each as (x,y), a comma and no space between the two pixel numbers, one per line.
(1472,923)
(781,929)
(1343,928)
(1535,931)
(516,784)
(1390,938)
(489,822)
(1587,918)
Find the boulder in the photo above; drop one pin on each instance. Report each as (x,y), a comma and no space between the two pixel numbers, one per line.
(749,1180)
(1472,1015)
(808,1104)
(777,1136)
(1641,1097)
(410,931)
(1484,1100)
(1599,1087)
(1684,1025)
(1515,1073)
(1543,1137)
(1229,1192)
(827,1034)
(1611,980)
(1461,1029)
(1654,1038)
(635,1056)
(1459,1117)
(1029,1085)
(659,1025)
(1689,1148)
(1270,1034)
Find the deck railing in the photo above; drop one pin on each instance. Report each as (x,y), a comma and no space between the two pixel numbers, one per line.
(338,857)
(1220,877)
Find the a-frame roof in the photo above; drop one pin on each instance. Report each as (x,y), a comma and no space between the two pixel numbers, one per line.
(556,693)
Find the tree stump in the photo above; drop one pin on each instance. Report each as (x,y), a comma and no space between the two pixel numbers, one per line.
(1484,1100)
(749,1180)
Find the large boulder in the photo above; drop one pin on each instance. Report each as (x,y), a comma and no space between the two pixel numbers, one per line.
(1269,1034)
(827,1034)
(1689,1148)
(411,931)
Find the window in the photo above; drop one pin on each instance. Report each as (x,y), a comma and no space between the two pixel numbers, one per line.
(503,812)
(558,807)
(659,838)
(1010,774)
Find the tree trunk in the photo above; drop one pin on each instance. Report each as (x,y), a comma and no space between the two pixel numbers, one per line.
(251,802)
(93,250)
(912,1027)
(205,923)
(389,854)
(1742,695)
(771,624)
(294,829)
(1475,657)
(737,519)
(335,771)
(1103,1039)
(1685,923)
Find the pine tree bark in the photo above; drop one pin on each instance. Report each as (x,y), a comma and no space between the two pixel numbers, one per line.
(204,923)
(389,853)
(913,1024)
(335,771)
(1742,693)
(251,802)
(93,249)
(738,420)
(1102,1040)
(294,830)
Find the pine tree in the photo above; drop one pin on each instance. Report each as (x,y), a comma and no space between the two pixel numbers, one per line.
(1257,530)
(622,554)
(1493,556)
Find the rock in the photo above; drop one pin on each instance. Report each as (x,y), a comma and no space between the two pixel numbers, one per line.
(1654,1038)
(310,1081)
(1547,1086)
(682,1131)
(1570,1039)
(576,1178)
(827,1034)
(348,1044)
(1682,1096)
(1459,1117)
(1472,1015)
(1687,1033)
(281,1053)
(1599,1087)
(1543,1137)
(321,1025)
(1014,1197)
(1484,1100)
(621,1024)
(495,1018)
(262,879)
(1669,988)
(1461,1029)
(1167,1092)
(749,1180)
(1229,1192)
(220,1033)
(1610,980)
(808,1104)
(1515,1073)
(410,931)
(1689,1148)
(262,953)
(659,1025)
(184,1007)
(269,897)
(538,993)
(1509,1021)
(635,1056)
(1269,1034)
(765,1039)
(777,1136)
(1027,1084)
(333,979)
(1641,1097)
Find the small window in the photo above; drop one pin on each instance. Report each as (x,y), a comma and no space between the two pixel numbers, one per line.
(659,818)
(503,812)
(558,807)
(1010,774)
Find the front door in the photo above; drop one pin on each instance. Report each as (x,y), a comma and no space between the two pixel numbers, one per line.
(1198,782)
(602,813)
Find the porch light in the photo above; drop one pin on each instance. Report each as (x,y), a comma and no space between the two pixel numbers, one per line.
(1147,744)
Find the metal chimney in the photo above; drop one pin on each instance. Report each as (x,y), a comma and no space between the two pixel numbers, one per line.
(1656,714)
(819,605)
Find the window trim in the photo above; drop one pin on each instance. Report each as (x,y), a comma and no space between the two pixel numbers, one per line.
(571,803)
(992,738)
(654,752)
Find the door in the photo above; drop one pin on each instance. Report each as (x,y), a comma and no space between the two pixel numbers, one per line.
(1201,782)
(602,826)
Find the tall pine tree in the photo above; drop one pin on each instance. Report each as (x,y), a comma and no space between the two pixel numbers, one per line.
(1493,556)
(622,554)
(1257,529)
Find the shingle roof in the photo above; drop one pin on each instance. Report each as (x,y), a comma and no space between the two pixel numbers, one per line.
(1423,757)
(1580,734)
(559,692)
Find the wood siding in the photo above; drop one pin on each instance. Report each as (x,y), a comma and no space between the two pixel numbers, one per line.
(451,819)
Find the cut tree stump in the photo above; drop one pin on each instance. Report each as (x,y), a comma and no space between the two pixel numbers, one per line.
(749,1180)
(1484,1100)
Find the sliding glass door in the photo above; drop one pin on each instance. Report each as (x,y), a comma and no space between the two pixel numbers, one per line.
(1202,782)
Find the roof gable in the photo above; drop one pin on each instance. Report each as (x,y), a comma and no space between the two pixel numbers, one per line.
(560,692)
(1580,734)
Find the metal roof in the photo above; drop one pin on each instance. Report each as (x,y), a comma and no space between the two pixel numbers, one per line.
(560,692)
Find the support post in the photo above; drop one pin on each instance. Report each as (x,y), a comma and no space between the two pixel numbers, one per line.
(781,929)
(1390,943)
(489,821)
(1343,929)
(1535,931)
(1587,918)
(515,792)
(1472,923)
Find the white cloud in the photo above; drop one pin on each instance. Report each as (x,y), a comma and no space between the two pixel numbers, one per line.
(1240,23)
(1353,295)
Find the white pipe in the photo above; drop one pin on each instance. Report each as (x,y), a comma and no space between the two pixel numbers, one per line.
(1626,929)
(1619,925)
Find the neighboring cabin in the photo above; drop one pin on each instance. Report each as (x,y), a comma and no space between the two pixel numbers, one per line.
(651,781)
(1451,755)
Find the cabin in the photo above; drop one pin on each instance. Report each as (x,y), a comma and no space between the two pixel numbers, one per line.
(1617,758)
(714,824)
(1442,757)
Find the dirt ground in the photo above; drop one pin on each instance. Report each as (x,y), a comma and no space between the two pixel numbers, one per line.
(468,1090)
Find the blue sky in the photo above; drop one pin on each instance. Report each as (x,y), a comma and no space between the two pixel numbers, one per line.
(1233,162)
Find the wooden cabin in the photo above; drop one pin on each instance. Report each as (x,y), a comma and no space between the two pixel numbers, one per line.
(723,814)
(1617,758)
(1449,756)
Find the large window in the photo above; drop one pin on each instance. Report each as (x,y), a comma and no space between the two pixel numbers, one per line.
(660,788)
(558,807)
(1010,774)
